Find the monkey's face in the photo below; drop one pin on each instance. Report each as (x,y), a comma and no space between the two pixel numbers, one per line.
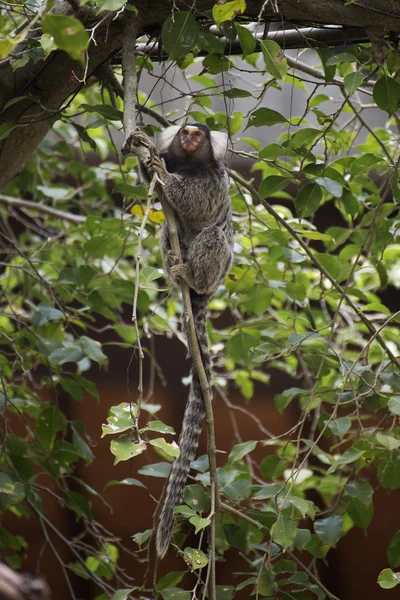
(191,138)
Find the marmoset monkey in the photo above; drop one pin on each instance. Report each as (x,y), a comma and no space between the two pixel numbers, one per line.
(197,188)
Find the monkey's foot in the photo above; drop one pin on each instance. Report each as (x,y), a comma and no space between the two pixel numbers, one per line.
(171,260)
(182,271)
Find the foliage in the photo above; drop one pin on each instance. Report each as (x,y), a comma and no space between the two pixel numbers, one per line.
(303,298)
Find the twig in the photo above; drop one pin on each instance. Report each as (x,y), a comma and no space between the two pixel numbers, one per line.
(19,203)
(135,298)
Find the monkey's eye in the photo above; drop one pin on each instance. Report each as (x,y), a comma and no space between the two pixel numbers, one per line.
(185,132)
(198,133)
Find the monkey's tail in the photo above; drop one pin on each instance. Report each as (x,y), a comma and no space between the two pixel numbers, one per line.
(190,432)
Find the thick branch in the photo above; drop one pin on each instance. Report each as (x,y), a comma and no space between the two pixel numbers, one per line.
(129,73)
(46,85)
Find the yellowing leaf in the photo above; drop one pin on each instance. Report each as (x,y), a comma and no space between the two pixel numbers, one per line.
(228,11)
(155,216)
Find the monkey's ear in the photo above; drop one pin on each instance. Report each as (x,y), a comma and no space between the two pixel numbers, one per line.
(219,144)
(167,136)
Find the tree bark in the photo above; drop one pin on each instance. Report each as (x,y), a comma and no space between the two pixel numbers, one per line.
(51,83)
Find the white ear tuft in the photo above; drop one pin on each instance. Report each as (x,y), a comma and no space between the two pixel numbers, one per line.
(166,137)
(219,144)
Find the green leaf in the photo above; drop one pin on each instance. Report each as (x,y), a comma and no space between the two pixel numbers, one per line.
(246,39)
(283,532)
(338,59)
(361,514)
(364,163)
(270,490)
(240,450)
(224,592)
(234,93)
(361,489)
(197,497)
(125,449)
(196,559)
(308,200)
(271,185)
(228,11)
(306,507)
(123,593)
(7,45)
(388,441)
(170,580)
(330,530)
(179,34)
(388,580)
(159,427)
(79,504)
(170,450)
(394,406)
(199,523)
(175,593)
(161,469)
(330,263)
(81,447)
(273,467)
(239,345)
(6,128)
(121,419)
(303,138)
(274,58)
(340,426)
(387,94)
(349,456)
(45,313)
(393,552)
(92,350)
(11,492)
(131,191)
(331,186)
(108,112)
(265,116)
(70,353)
(389,475)
(352,81)
(238,490)
(126,481)
(111,5)
(142,537)
(50,421)
(216,63)
(69,34)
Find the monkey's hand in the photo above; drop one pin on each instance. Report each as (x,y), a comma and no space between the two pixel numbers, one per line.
(155,164)
(134,140)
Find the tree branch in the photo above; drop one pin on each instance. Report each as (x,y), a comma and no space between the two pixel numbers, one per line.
(129,72)
(37,206)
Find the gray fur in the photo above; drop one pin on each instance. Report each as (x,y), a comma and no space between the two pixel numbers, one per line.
(198,192)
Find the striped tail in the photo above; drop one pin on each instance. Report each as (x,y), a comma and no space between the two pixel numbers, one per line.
(190,432)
